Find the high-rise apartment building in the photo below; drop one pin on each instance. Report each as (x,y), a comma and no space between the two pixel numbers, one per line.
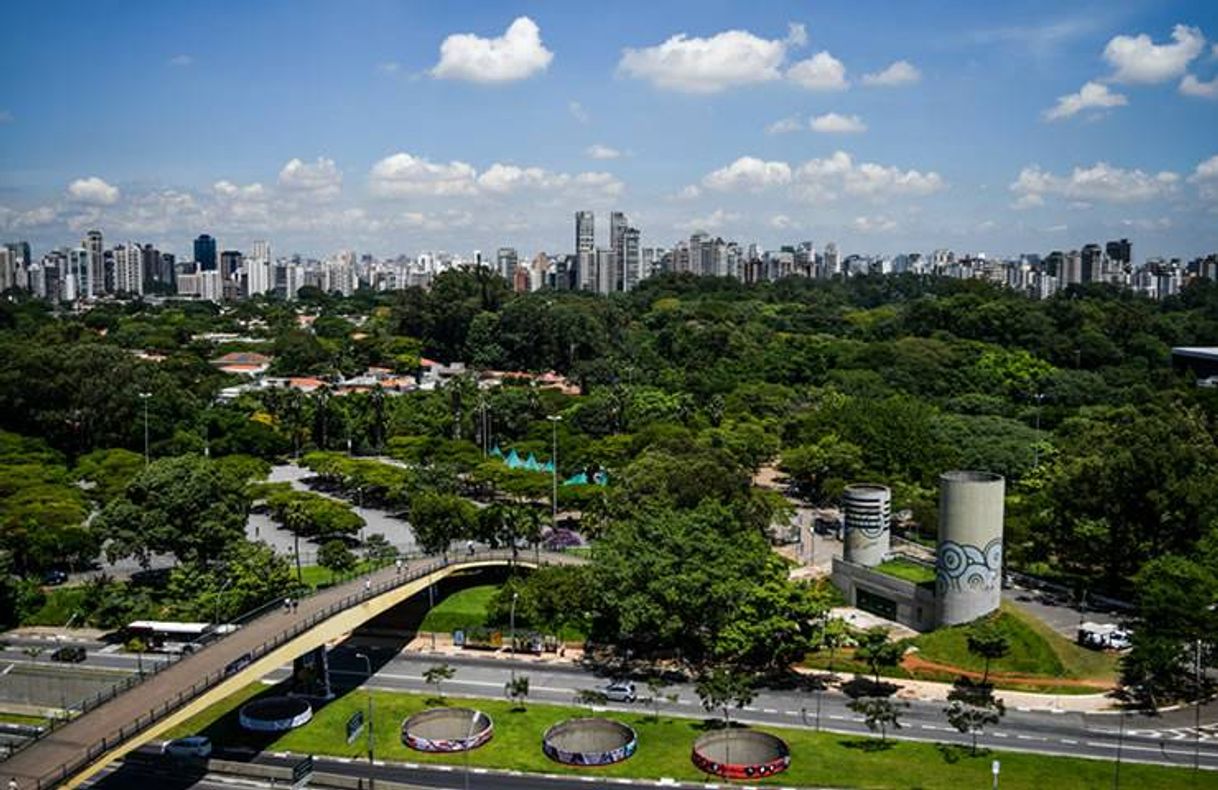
(129,268)
(230,264)
(505,262)
(1120,251)
(585,232)
(631,259)
(1092,263)
(205,253)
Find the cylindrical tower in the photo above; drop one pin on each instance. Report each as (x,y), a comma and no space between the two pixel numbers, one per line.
(868,510)
(968,563)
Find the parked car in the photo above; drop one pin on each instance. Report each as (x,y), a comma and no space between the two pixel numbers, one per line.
(620,691)
(53,578)
(71,654)
(194,746)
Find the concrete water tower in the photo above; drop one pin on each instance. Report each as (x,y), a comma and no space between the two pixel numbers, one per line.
(968,562)
(868,511)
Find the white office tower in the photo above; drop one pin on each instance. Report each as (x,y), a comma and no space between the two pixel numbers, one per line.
(128,268)
(586,261)
(339,275)
(211,285)
(604,268)
(631,259)
(37,274)
(506,260)
(261,250)
(585,232)
(78,275)
(833,262)
(259,276)
(11,274)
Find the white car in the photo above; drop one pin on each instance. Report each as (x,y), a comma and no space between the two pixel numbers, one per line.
(194,746)
(620,691)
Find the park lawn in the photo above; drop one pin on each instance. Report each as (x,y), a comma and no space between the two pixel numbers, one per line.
(463,610)
(818,759)
(1036,650)
(23,718)
(908,571)
(316,576)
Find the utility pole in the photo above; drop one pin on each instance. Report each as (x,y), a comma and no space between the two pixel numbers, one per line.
(371,739)
(1197,710)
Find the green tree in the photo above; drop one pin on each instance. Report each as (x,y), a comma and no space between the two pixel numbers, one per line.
(440,519)
(987,641)
(879,713)
(181,506)
(656,685)
(437,674)
(876,651)
(517,689)
(971,709)
(723,687)
(814,467)
(335,557)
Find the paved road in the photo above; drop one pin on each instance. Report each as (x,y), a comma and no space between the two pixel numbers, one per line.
(1093,735)
(72,742)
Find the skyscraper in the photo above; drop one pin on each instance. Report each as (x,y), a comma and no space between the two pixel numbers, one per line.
(1120,251)
(129,268)
(617,224)
(585,232)
(631,259)
(230,264)
(505,262)
(205,253)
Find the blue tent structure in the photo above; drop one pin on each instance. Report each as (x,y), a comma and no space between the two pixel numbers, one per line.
(580,479)
(531,463)
(496,452)
(548,467)
(601,478)
(513,460)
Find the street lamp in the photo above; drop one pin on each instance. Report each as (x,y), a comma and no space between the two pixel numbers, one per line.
(554,420)
(995,768)
(512,621)
(220,595)
(371,738)
(144,396)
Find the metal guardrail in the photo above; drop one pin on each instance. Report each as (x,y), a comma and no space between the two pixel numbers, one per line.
(66,770)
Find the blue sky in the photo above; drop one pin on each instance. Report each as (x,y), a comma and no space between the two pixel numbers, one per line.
(397,127)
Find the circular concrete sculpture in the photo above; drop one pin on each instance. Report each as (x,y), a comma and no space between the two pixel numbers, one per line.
(741,754)
(447,730)
(275,714)
(589,742)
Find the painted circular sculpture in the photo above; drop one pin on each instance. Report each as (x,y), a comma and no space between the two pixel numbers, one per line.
(741,754)
(589,741)
(447,730)
(275,714)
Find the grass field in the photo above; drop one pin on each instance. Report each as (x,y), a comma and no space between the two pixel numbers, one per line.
(818,759)
(463,609)
(1035,650)
(907,570)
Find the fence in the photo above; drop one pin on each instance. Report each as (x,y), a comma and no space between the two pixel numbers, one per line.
(158,712)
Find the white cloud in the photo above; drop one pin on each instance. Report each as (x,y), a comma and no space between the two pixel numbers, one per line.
(877,224)
(578,112)
(229,190)
(181,61)
(832,123)
(439,221)
(516,55)
(501,178)
(1029,200)
(781,222)
(749,172)
(713,221)
(42,216)
(784,126)
(1092,95)
(1147,224)
(900,72)
(603,184)
(1191,86)
(389,67)
(690,192)
(320,179)
(708,65)
(821,72)
(403,174)
(1101,183)
(598,151)
(1139,59)
(1205,176)
(822,180)
(93,191)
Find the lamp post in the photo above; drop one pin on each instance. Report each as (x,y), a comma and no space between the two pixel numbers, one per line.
(996,767)
(554,420)
(220,595)
(371,738)
(144,396)
(512,628)
(1197,710)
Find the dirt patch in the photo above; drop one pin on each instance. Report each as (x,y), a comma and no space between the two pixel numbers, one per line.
(914,663)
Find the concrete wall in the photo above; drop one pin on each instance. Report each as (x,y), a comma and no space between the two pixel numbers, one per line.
(868,511)
(968,561)
(915,603)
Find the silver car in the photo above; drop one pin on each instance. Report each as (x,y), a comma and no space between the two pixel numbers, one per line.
(194,746)
(620,691)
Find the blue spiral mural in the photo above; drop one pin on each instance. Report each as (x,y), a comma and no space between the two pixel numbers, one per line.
(960,566)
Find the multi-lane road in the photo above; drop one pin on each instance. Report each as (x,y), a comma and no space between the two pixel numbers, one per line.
(1165,740)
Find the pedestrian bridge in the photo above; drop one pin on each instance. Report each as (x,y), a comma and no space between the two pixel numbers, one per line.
(73,752)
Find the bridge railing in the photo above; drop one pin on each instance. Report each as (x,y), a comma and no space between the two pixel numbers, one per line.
(154,714)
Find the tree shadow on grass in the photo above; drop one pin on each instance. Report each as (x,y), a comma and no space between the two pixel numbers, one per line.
(712,724)
(953,753)
(868,745)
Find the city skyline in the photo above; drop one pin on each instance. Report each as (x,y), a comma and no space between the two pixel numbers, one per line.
(1020,130)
